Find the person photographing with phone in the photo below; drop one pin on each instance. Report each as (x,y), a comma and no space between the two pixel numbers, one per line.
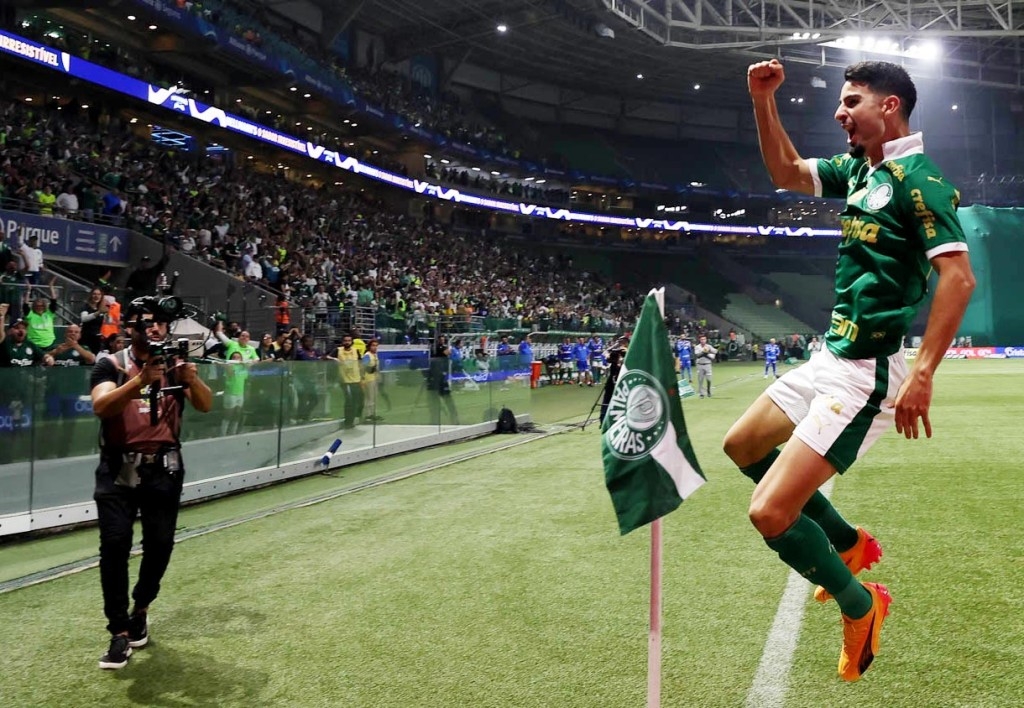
(139,395)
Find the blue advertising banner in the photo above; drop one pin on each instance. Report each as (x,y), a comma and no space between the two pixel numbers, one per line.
(67,240)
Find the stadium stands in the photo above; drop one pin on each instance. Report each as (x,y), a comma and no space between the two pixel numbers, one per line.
(291,235)
(763,320)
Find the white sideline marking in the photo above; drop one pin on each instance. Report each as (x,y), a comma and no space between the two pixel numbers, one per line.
(772,679)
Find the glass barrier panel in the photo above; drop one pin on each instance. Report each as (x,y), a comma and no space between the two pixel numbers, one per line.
(241,430)
(17,392)
(316,404)
(65,435)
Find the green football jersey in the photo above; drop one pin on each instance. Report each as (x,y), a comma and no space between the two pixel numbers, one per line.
(70,357)
(897,217)
(24,354)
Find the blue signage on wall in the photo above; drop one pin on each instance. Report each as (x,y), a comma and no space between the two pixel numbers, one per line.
(67,240)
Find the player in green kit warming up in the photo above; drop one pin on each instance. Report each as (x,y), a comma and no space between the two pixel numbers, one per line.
(900,222)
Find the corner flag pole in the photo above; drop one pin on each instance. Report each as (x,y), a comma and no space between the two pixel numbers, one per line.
(654,636)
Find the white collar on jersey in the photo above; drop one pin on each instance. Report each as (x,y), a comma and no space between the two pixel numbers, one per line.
(912,144)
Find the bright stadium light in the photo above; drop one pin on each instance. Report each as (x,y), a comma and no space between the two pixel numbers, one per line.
(884,45)
(502,28)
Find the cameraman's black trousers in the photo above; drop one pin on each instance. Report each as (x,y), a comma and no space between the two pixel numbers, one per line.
(156,498)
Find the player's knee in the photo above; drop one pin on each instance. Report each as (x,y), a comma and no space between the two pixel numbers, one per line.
(735,446)
(769,519)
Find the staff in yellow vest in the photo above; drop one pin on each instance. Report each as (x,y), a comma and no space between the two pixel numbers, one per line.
(351,379)
(371,373)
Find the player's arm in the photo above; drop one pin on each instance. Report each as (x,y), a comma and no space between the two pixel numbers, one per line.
(953,292)
(785,166)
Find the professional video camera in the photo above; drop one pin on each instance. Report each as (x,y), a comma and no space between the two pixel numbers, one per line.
(163,309)
(170,350)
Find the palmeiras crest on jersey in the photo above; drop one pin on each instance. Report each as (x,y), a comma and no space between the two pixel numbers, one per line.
(879,197)
(638,414)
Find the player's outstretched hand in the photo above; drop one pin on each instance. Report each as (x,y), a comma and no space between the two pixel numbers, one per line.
(912,404)
(765,77)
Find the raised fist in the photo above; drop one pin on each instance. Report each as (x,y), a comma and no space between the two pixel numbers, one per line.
(765,77)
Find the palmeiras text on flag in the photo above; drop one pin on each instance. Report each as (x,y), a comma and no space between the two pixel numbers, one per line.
(649,463)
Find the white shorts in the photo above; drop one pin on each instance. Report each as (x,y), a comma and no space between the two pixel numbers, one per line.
(233,400)
(841,406)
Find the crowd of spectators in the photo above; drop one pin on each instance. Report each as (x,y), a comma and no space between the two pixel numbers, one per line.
(478,180)
(321,247)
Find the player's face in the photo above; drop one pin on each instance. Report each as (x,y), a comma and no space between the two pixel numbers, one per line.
(861,114)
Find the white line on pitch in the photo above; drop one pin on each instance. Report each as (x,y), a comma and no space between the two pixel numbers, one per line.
(772,679)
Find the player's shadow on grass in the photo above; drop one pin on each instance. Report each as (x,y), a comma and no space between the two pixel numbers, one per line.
(161,675)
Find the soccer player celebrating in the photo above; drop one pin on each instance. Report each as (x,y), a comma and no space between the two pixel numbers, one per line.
(900,222)
(771,357)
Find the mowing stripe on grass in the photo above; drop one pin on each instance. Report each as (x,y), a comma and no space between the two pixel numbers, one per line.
(772,678)
(94,561)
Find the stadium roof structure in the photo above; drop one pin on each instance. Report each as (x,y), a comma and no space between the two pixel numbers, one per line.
(602,45)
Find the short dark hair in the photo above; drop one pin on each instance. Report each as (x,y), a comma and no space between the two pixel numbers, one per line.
(886,78)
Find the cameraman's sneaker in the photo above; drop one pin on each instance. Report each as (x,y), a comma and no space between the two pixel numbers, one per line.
(864,554)
(138,630)
(118,653)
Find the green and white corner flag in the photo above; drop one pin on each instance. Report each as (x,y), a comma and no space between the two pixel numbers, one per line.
(649,464)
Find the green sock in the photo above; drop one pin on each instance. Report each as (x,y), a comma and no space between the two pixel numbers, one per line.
(805,548)
(818,507)
(759,469)
(839,532)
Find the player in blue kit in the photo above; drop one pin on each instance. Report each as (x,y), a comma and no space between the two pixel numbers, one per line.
(771,357)
(597,360)
(581,353)
(684,352)
(565,359)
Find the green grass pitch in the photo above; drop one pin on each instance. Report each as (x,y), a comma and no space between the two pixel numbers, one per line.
(502,581)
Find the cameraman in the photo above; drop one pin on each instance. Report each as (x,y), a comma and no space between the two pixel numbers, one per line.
(138,394)
(614,356)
